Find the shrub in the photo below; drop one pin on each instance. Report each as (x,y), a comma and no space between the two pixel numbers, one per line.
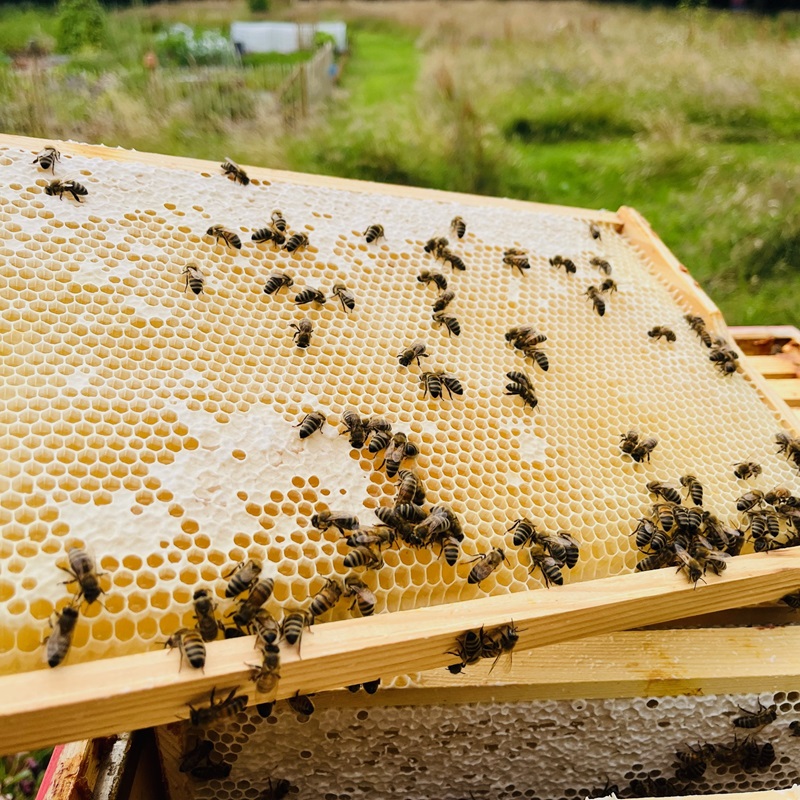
(81,24)
(258,6)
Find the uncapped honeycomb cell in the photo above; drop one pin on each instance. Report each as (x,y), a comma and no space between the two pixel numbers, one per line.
(155,427)
(554,750)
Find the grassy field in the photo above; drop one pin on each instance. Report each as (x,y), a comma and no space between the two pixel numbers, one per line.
(690,116)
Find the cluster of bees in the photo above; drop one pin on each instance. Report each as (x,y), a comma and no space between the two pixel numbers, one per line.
(721,354)
(691,763)
(472,646)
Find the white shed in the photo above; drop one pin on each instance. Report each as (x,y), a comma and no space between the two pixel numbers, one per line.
(285,37)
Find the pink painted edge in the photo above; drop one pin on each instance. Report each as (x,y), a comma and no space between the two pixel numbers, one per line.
(47,780)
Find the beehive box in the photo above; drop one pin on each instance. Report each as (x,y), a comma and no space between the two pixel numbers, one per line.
(155,427)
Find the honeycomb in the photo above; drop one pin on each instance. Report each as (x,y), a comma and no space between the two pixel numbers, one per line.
(155,427)
(553,750)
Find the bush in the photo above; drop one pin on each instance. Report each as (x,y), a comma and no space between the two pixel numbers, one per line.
(81,24)
(258,6)
(185,47)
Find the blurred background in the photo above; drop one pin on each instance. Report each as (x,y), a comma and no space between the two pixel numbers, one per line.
(688,111)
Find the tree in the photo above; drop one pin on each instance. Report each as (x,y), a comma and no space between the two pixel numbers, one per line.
(81,24)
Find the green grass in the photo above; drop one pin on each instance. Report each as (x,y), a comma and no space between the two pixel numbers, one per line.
(18,26)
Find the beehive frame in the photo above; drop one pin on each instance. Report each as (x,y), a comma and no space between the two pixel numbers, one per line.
(176,690)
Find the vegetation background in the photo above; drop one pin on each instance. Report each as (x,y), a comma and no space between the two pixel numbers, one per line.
(690,114)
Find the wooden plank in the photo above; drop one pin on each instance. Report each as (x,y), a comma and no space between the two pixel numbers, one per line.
(788,391)
(146,689)
(746,333)
(304,179)
(772,367)
(637,229)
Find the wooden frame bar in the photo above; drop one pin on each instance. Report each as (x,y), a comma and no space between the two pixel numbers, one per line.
(146,689)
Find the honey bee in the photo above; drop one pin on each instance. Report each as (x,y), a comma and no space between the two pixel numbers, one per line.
(694,489)
(266,627)
(380,535)
(781,496)
(212,771)
(302,333)
(450,322)
(609,285)
(207,623)
(196,756)
(46,158)
(409,488)
(437,246)
(433,277)
(310,423)
(595,295)
(297,241)
(693,764)
(293,625)
(410,512)
(644,532)
(698,325)
(277,281)
(326,598)
(594,232)
(267,674)
(302,704)
(242,577)
(398,448)
(601,264)
(346,297)
(522,387)
(746,469)
(760,718)
(724,358)
(668,493)
(665,514)
(191,645)
(643,450)
(755,756)
(435,524)
(278,221)
(373,233)
(194,279)
(259,594)
(414,352)
(220,232)
(235,172)
(57,188)
(749,500)
(450,550)
(788,446)
(269,234)
(524,336)
(310,295)
(518,262)
(83,571)
(362,557)
(458,226)
(444,300)
(709,558)
(362,595)
(380,432)
(524,531)
(455,261)
(60,638)
(628,441)
(660,331)
(276,792)
(549,566)
(330,519)
(794,727)
(447,383)
(500,641)
(355,426)
(563,548)
(657,560)
(567,263)
(485,565)
(688,564)
(469,647)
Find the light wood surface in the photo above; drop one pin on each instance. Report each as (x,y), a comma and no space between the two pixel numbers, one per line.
(146,689)
(773,367)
